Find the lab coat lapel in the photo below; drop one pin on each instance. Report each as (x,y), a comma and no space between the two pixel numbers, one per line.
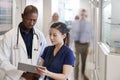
(22,43)
(35,48)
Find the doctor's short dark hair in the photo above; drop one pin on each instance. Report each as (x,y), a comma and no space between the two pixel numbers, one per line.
(30,9)
(62,27)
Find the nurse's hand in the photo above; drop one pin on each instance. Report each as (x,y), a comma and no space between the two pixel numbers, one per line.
(41,72)
(30,76)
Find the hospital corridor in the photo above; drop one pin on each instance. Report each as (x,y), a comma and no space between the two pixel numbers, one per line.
(59,40)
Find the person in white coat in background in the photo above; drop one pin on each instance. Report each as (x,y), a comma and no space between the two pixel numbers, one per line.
(55,18)
(24,44)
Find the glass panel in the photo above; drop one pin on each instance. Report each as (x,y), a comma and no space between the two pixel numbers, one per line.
(111,24)
(5,15)
(67,9)
(105,22)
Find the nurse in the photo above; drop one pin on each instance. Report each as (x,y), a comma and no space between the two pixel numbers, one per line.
(58,59)
(24,44)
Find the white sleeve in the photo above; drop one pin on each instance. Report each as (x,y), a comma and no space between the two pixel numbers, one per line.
(5,64)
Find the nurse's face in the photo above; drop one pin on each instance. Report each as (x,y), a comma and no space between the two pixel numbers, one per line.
(29,20)
(56,36)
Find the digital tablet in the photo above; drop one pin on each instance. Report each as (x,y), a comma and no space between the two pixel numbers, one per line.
(29,67)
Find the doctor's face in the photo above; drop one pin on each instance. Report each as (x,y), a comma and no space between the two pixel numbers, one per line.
(56,36)
(29,20)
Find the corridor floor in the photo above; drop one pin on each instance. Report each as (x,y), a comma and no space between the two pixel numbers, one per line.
(90,67)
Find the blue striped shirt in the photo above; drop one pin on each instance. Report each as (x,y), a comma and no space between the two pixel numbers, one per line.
(82,31)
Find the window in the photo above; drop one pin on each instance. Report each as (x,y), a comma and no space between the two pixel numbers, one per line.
(5,15)
(111,24)
(67,9)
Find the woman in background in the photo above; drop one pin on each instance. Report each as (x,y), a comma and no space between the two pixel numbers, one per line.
(55,18)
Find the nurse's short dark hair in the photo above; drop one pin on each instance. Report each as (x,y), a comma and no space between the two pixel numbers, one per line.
(62,27)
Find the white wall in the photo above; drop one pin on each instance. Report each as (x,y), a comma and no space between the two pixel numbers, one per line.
(47,11)
(113,67)
(19,6)
(109,66)
(102,61)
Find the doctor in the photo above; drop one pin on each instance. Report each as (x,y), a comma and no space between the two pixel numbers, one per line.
(24,43)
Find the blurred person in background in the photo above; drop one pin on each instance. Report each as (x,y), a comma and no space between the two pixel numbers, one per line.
(82,35)
(74,26)
(55,18)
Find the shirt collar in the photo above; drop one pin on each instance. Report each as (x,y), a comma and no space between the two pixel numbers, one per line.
(22,31)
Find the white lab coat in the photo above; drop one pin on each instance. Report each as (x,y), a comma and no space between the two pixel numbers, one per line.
(9,56)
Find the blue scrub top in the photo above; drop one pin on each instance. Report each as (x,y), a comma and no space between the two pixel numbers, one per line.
(55,63)
(28,38)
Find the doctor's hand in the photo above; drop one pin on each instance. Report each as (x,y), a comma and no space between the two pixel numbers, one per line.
(30,76)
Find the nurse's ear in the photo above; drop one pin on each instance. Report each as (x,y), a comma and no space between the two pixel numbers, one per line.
(64,36)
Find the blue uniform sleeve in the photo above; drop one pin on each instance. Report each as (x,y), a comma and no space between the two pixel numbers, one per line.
(44,53)
(70,58)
